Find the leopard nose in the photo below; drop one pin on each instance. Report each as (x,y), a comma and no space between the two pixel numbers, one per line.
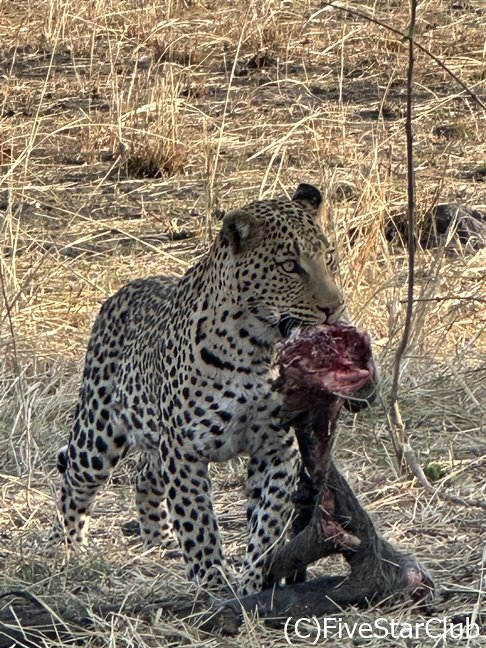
(332,313)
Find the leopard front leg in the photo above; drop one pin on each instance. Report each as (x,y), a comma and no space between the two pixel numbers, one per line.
(272,478)
(188,493)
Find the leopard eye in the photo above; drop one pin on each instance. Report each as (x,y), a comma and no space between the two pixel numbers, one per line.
(292,267)
(329,258)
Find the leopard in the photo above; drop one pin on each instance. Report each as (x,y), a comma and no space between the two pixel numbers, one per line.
(183,370)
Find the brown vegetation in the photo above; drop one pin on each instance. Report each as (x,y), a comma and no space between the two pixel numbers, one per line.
(125,129)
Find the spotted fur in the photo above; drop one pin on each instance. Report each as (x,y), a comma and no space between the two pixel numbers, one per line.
(183,370)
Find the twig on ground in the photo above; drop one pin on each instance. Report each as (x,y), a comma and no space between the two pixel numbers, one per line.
(412,463)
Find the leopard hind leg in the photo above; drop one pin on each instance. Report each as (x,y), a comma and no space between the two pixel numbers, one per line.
(96,445)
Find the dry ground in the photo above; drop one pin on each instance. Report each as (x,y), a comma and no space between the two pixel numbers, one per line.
(126,128)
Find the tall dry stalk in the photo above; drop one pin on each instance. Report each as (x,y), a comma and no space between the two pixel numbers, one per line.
(397,428)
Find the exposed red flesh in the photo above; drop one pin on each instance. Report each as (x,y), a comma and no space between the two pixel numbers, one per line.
(330,358)
(330,527)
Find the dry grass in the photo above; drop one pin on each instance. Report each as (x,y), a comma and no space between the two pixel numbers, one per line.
(125,127)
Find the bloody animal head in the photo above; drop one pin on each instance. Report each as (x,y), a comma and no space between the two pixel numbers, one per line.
(328,359)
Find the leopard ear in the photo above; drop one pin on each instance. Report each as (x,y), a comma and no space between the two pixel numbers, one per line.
(309,196)
(239,230)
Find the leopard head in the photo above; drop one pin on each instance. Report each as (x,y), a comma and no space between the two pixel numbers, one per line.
(282,263)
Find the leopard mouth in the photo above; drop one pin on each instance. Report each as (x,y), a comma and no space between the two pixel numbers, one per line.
(287,324)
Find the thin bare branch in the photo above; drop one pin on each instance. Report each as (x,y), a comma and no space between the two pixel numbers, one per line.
(410,36)
(410,209)
(398,434)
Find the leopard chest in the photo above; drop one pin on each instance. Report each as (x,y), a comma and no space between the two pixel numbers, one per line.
(214,384)
(221,416)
